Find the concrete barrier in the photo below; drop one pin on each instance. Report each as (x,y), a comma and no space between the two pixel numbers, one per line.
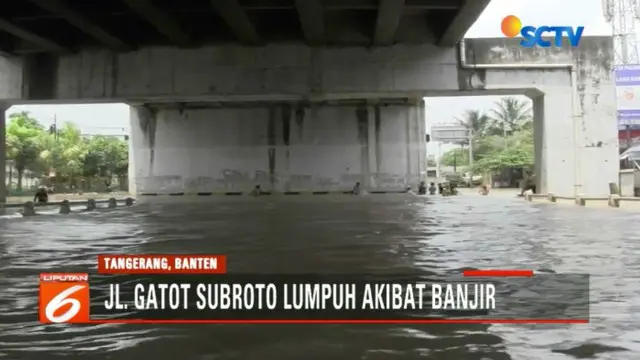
(613,200)
(127,202)
(28,209)
(65,208)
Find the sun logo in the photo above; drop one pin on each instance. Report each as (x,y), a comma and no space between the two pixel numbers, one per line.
(511,26)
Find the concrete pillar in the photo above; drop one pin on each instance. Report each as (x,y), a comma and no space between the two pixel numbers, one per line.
(556,139)
(422,141)
(538,141)
(141,144)
(413,143)
(3,162)
(282,147)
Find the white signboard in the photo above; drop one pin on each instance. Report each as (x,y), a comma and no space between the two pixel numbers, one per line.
(449,134)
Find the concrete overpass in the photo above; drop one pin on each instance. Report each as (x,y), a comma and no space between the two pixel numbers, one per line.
(296,95)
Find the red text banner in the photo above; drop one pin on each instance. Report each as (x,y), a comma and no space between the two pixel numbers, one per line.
(162,264)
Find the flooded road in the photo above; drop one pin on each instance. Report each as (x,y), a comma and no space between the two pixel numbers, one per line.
(341,234)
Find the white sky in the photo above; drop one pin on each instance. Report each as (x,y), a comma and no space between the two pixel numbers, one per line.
(113,119)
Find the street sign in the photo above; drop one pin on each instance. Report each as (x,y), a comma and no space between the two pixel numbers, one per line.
(449,134)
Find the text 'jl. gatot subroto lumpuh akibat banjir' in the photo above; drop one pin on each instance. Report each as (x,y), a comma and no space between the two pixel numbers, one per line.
(311,296)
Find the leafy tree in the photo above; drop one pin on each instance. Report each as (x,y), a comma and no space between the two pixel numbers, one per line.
(495,153)
(510,115)
(106,157)
(62,154)
(476,121)
(456,157)
(518,153)
(23,145)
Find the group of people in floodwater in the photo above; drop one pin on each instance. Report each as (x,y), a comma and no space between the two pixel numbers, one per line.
(444,189)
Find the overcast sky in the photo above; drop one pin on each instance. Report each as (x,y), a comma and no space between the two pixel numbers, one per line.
(113,119)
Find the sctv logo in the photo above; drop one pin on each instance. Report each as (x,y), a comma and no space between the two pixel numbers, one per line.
(512,26)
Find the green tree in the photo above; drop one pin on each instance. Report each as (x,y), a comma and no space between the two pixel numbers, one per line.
(23,146)
(455,157)
(518,153)
(106,157)
(475,121)
(510,115)
(63,153)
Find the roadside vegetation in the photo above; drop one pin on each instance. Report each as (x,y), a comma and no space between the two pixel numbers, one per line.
(61,158)
(502,140)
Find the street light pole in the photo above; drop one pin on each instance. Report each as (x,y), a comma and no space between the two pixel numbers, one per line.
(470,157)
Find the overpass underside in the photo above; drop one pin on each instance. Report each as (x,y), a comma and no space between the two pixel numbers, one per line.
(323,115)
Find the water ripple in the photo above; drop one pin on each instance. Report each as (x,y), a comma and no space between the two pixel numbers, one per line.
(339,234)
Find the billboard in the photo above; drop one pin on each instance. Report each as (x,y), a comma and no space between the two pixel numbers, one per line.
(450,134)
(628,95)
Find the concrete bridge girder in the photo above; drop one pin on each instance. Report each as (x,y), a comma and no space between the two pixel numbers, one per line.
(28,30)
(574,103)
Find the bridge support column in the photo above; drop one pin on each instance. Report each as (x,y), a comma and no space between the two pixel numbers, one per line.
(139,122)
(575,131)
(3,162)
(280,146)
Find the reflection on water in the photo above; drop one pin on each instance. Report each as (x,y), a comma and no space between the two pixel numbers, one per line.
(342,234)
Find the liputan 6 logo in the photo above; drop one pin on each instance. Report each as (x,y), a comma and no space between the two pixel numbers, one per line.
(64,298)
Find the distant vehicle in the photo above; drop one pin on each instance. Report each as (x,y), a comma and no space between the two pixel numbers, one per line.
(473,180)
(453,178)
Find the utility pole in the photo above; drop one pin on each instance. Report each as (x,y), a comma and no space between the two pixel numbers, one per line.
(470,157)
(438,156)
(53,129)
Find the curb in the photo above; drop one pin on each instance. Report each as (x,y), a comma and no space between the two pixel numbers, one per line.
(240,193)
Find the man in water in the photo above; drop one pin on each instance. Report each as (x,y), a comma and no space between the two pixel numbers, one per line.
(356,189)
(422,188)
(528,184)
(256,191)
(484,189)
(41,195)
(432,189)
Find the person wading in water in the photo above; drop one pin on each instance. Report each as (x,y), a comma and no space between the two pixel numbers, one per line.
(529,183)
(41,195)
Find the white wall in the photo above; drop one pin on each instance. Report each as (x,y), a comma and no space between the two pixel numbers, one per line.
(234,149)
